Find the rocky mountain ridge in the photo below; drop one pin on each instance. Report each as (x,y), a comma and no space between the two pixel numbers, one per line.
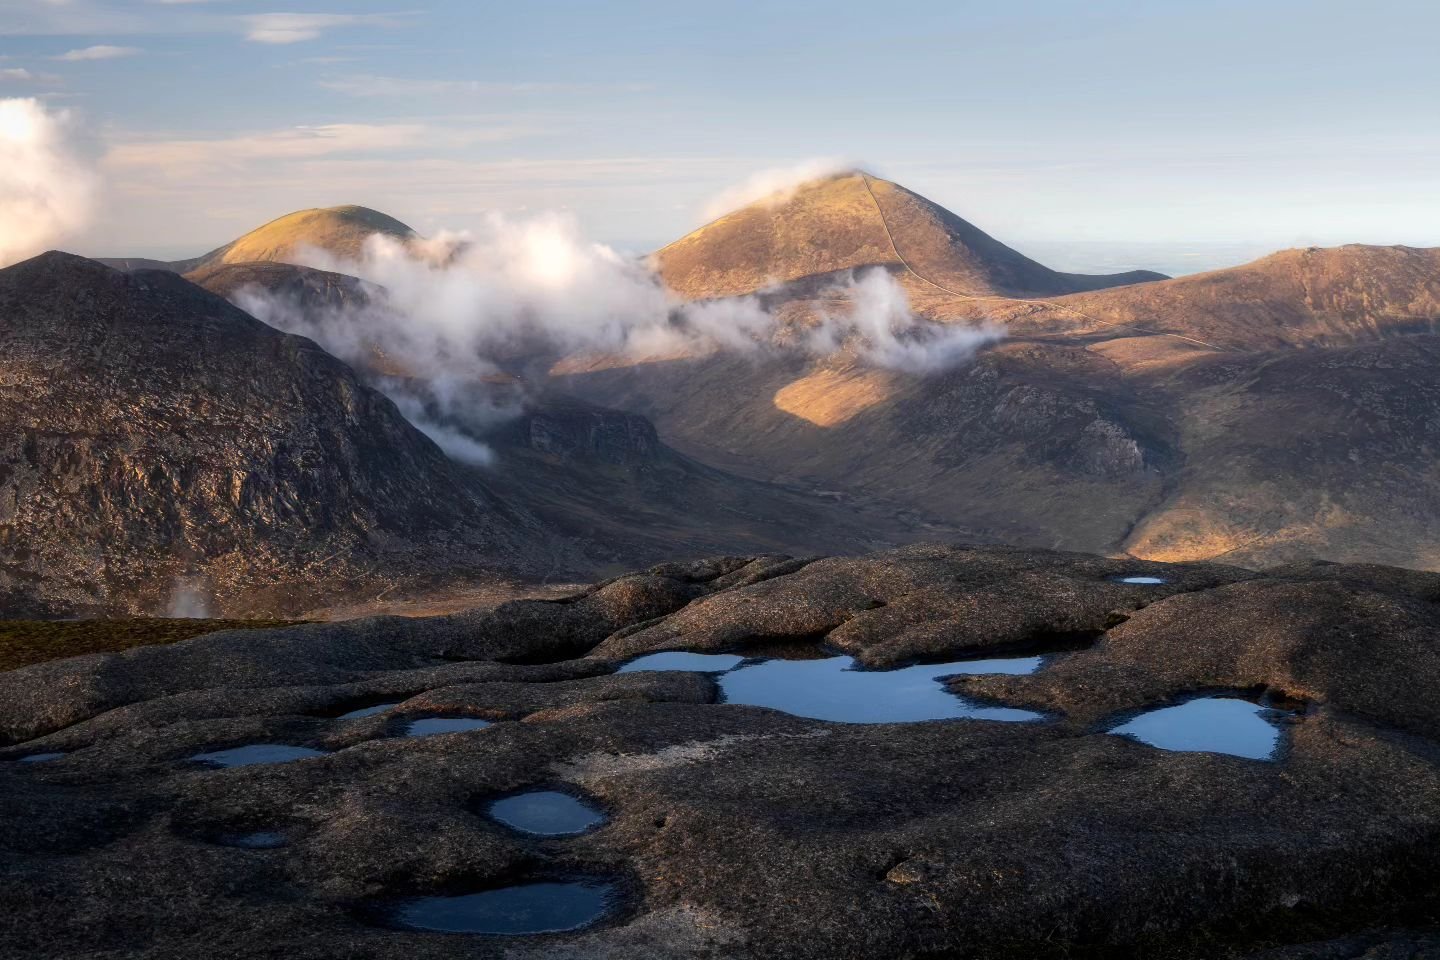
(156,433)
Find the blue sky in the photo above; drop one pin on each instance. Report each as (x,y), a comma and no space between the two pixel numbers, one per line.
(1257,124)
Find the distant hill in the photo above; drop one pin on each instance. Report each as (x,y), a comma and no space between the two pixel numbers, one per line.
(1311,297)
(341,231)
(152,432)
(849,221)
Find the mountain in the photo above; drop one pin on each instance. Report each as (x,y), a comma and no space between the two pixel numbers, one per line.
(154,433)
(1096,425)
(600,477)
(1279,409)
(1256,457)
(849,221)
(339,231)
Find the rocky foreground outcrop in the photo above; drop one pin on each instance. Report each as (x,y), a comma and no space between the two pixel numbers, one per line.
(739,831)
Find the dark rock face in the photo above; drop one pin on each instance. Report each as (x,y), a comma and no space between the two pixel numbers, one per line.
(745,832)
(154,431)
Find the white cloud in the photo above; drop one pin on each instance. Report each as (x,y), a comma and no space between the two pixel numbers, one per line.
(46,189)
(19,74)
(892,337)
(102,51)
(72,17)
(282,28)
(774,185)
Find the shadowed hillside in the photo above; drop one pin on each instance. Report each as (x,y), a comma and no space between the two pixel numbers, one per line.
(152,430)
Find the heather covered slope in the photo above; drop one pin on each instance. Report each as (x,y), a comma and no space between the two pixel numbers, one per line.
(1282,408)
(338,231)
(1028,443)
(756,832)
(1315,297)
(1180,454)
(605,480)
(851,221)
(152,430)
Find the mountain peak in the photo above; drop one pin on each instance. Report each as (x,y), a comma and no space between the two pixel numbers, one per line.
(341,231)
(849,220)
(57,260)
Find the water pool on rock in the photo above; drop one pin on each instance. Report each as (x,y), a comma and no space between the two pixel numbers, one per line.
(549,813)
(40,757)
(838,689)
(430,726)
(253,753)
(370,711)
(254,840)
(1209,725)
(682,660)
(532,908)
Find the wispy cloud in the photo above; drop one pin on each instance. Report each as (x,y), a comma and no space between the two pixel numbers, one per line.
(292,144)
(17,74)
(283,28)
(379,86)
(101,51)
(68,17)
